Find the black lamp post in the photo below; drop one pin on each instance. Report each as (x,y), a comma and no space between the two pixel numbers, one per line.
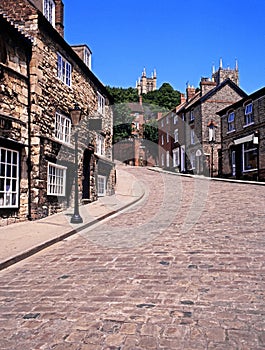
(76,117)
(212,141)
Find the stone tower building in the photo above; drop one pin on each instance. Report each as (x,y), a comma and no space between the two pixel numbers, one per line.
(145,84)
(224,73)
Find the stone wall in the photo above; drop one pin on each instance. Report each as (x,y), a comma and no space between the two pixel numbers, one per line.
(241,131)
(14,109)
(50,95)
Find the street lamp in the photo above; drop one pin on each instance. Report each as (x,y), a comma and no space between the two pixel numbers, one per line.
(76,118)
(212,139)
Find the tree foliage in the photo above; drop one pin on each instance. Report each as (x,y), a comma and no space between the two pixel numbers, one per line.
(161,100)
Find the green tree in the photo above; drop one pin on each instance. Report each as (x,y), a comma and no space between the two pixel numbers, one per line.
(151,130)
(122,122)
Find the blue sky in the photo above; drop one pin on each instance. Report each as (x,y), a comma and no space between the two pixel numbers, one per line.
(180,39)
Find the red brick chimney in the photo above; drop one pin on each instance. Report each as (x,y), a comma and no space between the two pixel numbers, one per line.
(59,17)
(190,92)
(182,98)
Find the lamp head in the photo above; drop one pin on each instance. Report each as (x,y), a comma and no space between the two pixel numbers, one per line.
(76,115)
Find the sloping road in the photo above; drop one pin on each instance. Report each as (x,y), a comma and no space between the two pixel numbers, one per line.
(182,269)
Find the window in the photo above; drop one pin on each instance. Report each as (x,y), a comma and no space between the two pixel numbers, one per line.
(9,178)
(87,58)
(248,114)
(101,185)
(176,135)
(49,11)
(231,121)
(249,156)
(192,136)
(162,140)
(56,181)
(175,119)
(101,104)
(100,146)
(167,137)
(162,123)
(176,157)
(62,128)
(167,119)
(64,70)
(192,115)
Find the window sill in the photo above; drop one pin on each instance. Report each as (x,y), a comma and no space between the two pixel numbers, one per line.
(248,171)
(246,125)
(230,131)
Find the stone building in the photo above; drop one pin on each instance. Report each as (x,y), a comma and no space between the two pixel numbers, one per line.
(145,84)
(58,78)
(15,56)
(243,138)
(192,150)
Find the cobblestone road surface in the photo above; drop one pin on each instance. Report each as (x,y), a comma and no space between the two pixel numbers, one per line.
(183,269)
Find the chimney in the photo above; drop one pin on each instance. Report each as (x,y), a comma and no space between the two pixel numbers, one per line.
(190,92)
(182,98)
(59,17)
(206,85)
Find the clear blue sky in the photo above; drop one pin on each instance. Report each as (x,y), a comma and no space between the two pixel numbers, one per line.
(180,39)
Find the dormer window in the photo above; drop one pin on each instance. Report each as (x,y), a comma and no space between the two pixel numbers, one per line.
(248,114)
(49,11)
(87,58)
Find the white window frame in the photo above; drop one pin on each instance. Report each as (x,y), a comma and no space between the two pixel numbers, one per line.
(176,135)
(100,144)
(176,160)
(9,178)
(102,180)
(49,11)
(56,180)
(64,70)
(162,123)
(101,104)
(162,140)
(231,122)
(249,119)
(192,136)
(167,119)
(87,58)
(176,119)
(244,152)
(167,137)
(192,117)
(62,128)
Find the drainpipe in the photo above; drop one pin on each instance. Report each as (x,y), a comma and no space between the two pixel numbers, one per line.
(29,164)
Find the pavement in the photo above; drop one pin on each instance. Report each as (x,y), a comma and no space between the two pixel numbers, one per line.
(21,240)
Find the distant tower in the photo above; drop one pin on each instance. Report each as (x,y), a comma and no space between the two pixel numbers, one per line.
(144,84)
(224,73)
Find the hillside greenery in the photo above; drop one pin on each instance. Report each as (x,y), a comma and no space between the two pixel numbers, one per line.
(161,100)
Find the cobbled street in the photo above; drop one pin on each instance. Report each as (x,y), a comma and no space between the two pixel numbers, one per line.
(184,268)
